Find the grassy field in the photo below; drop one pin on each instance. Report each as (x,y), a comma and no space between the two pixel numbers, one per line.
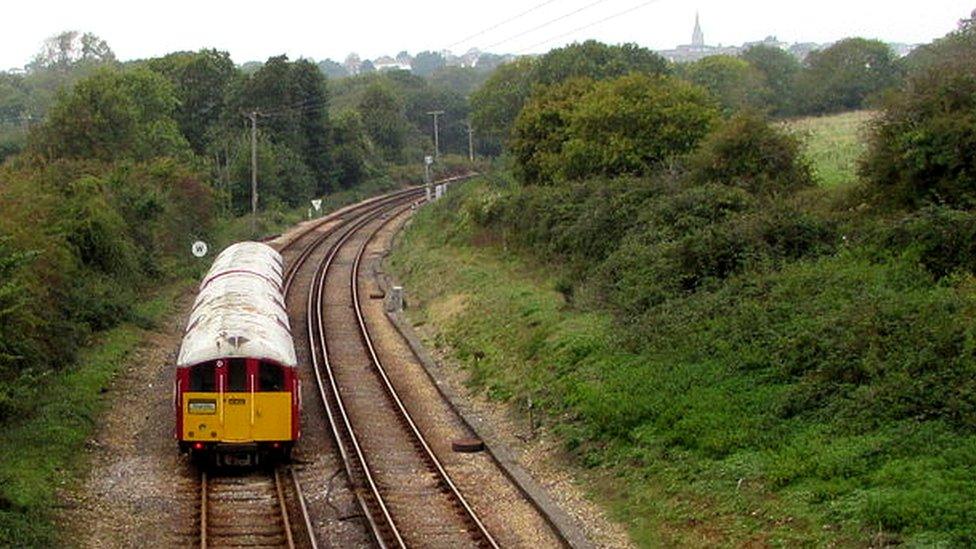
(834,144)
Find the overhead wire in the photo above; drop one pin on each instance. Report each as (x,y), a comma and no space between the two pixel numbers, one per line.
(501,24)
(589,25)
(546,24)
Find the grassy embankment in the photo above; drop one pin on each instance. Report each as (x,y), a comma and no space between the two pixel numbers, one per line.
(803,403)
(42,453)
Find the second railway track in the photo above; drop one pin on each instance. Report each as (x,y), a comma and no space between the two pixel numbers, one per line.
(385,454)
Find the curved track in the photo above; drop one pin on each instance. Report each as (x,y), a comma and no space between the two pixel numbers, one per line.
(384,452)
(405,493)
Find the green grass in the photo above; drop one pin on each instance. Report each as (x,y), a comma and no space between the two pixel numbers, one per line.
(42,452)
(823,402)
(834,144)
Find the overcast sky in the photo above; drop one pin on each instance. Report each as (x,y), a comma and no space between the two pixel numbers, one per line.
(257,30)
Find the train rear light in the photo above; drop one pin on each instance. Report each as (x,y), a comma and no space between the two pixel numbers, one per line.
(276,445)
(198,446)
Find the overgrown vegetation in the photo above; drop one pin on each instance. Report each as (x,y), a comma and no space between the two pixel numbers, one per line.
(41,453)
(735,354)
(118,169)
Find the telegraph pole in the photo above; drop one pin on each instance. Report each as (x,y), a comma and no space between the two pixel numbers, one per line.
(470,143)
(253,115)
(437,145)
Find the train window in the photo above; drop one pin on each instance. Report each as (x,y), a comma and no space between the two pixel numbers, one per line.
(202,378)
(271,377)
(237,378)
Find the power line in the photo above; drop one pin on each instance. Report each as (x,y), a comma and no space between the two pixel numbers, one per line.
(593,24)
(546,24)
(497,25)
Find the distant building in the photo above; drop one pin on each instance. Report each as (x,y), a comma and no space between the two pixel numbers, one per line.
(697,49)
(769,41)
(697,36)
(387,63)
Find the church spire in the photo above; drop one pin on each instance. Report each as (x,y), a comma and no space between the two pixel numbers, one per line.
(697,37)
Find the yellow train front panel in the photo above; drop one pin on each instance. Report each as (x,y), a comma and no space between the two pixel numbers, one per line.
(237,417)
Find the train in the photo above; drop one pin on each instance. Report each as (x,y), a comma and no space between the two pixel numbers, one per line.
(237,393)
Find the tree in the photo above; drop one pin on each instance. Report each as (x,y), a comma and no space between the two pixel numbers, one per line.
(633,124)
(382,116)
(541,129)
(427,62)
(294,100)
(283,177)
(735,83)
(332,69)
(114,115)
(845,75)
(352,151)
(923,146)
(749,153)
(352,63)
(463,80)
(488,62)
(367,67)
(780,70)
(626,125)
(497,103)
(201,81)
(598,61)
(70,48)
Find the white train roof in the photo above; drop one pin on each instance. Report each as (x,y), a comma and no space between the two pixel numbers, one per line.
(253,257)
(240,311)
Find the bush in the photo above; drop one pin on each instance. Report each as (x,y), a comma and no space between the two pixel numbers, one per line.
(923,146)
(940,238)
(114,115)
(846,76)
(541,129)
(626,126)
(735,83)
(718,239)
(749,153)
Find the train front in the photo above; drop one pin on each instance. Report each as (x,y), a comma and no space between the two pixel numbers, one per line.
(237,393)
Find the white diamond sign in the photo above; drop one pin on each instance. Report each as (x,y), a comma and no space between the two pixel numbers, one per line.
(199,248)
(317,204)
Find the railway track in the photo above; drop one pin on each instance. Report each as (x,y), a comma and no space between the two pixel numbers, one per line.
(404,493)
(385,454)
(252,509)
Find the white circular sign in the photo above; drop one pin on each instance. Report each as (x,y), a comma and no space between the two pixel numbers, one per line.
(199,248)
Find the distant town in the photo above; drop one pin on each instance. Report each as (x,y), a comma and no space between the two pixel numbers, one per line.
(696,49)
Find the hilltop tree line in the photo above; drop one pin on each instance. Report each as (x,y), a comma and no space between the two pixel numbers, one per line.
(850,74)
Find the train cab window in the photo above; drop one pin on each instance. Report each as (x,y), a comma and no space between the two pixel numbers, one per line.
(237,375)
(202,378)
(271,377)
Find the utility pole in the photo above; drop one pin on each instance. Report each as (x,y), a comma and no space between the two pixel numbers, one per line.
(470,142)
(253,115)
(437,144)
(428,160)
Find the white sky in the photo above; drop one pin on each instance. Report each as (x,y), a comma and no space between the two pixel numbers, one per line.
(256,30)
